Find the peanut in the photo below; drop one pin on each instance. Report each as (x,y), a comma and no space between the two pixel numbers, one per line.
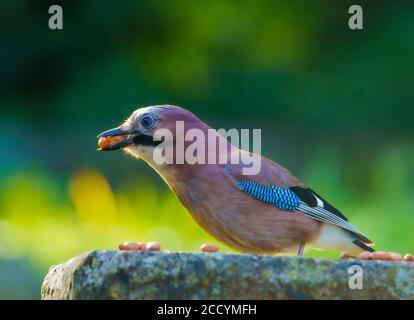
(153,246)
(105,142)
(409,257)
(380,255)
(208,247)
(395,256)
(366,255)
(135,246)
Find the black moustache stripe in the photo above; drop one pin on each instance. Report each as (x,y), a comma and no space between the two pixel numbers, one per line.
(145,140)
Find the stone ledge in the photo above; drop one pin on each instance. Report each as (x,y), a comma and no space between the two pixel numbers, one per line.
(158,275)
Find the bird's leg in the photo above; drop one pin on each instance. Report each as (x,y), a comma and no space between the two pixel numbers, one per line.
(380,255)
(301,248)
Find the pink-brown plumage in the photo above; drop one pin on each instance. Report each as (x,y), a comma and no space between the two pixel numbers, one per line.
(212,197)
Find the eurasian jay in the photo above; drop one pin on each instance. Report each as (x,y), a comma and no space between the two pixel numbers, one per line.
(270,212)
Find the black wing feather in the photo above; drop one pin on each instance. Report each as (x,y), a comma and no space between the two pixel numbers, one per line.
(307,195)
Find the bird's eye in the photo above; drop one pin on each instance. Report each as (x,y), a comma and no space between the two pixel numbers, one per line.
(147,122)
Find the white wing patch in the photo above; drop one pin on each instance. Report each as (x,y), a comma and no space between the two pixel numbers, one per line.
(319,201)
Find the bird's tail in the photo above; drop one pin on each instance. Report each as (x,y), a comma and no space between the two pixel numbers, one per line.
(335,238)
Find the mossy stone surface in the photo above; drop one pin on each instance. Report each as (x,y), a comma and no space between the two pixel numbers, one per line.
(158,275)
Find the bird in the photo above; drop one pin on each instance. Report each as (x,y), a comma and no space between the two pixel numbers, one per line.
(269,212)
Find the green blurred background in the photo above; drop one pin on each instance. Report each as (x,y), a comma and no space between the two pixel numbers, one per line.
(335,106)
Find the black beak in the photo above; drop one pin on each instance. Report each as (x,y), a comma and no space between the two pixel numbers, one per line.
(131,133)
(118,132)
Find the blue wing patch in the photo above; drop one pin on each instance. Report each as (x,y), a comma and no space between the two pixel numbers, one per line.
(281,198)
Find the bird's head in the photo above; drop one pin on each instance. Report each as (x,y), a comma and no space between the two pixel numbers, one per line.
(136,134)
